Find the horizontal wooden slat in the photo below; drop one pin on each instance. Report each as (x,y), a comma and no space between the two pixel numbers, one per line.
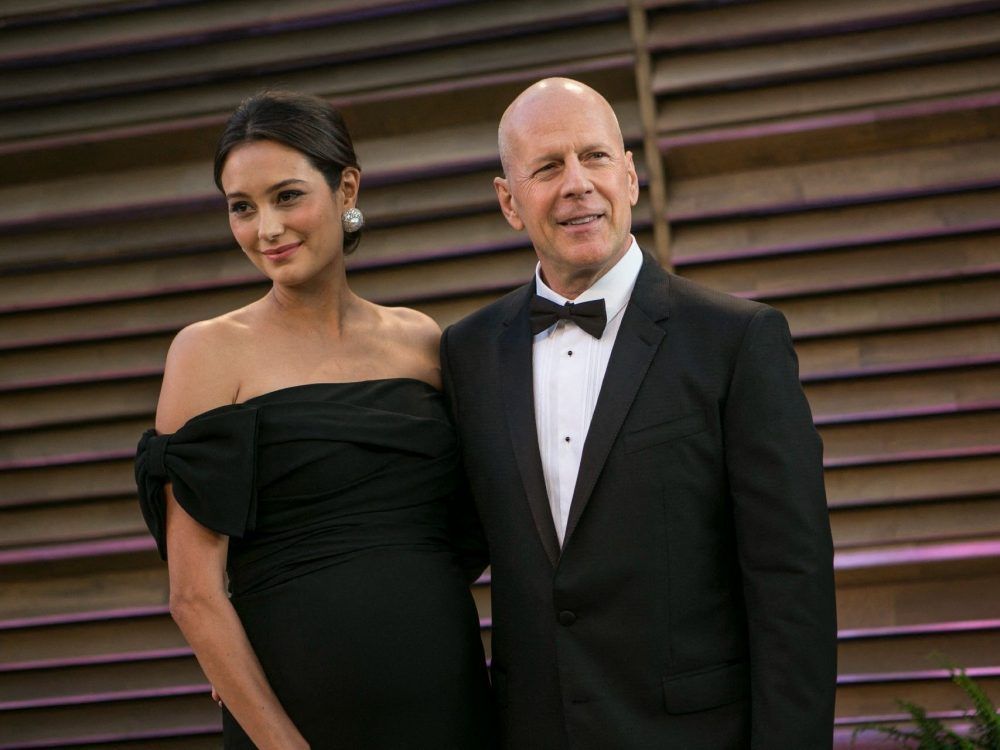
(935,392)
(826,55)
(116,436)
(287,50)
(84,481)
(879,699)
(70,522)
(843,181)
(911,439)
(917,522)
(142,583)
(898,351)
(846,226)
(159,27)
(85,362)
(130,719)
(961,589)
(865,266)
(106,637)
(776,19)
(919,651)
(898,307)
(29,12)
(435,75)
(824,136)
(204,740)
(81,685)
(701,112)
(102,400)
(906,482)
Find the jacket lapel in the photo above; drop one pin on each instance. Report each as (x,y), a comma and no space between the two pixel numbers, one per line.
(517,384)
(638,340)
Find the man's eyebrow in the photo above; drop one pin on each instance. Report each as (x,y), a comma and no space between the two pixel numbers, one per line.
(273,188)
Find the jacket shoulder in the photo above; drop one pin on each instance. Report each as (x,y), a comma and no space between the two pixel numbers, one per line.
(491,317)
(687,295)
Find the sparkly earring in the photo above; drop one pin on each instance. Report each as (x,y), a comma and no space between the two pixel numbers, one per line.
(352,220)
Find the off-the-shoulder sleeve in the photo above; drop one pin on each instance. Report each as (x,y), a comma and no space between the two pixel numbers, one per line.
(211,463)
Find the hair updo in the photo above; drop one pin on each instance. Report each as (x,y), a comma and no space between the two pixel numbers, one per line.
(305,123)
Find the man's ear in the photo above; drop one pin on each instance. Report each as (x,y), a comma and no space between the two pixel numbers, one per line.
(507,203)
(633,179)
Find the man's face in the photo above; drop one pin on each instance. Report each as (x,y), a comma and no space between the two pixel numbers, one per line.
(570,184)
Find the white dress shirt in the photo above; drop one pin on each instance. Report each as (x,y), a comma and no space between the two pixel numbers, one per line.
(569,366)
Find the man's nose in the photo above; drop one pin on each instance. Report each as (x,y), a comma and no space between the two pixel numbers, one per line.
(576,181)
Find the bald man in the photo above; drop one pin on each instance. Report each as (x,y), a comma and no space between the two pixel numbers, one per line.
(646,469)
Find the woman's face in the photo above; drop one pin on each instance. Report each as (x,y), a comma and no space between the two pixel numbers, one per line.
(282,212)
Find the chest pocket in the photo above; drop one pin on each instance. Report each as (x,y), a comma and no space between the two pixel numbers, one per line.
(664,432)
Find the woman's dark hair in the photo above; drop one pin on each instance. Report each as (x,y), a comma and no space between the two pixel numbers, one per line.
(306,123)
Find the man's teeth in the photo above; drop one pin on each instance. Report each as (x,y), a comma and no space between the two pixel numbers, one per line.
(582,219)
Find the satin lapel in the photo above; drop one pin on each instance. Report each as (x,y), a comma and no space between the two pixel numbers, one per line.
(518,389)
(638,340)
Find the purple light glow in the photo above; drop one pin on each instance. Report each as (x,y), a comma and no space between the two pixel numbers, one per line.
(54,552)
(926,674)
(893,631)
(73,618)
(836,120)
(66,459)
(107,697)
(874,459)
(191,730)
(915,555)
(98,659)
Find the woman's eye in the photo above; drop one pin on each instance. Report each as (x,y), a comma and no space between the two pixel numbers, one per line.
(240,207)
(288,195)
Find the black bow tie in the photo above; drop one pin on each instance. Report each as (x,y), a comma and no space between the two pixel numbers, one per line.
(590,316)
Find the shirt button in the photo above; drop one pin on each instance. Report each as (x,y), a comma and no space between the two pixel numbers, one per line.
(570,352)
(567,618)
(566,438)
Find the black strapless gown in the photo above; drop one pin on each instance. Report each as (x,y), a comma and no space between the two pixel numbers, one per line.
(345,565)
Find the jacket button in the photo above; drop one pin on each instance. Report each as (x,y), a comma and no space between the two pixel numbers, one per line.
(566,617)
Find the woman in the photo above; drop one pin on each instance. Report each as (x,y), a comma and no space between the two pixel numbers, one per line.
(302,447)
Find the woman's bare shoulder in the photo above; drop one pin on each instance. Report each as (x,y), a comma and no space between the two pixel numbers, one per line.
(203,369)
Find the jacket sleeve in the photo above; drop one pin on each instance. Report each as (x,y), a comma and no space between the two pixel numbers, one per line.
(775,465)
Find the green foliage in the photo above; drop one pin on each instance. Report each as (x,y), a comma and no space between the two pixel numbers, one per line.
(930,733)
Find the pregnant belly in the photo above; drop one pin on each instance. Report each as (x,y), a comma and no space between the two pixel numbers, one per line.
(367,625)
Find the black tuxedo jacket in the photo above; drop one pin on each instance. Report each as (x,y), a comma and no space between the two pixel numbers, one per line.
(692,603)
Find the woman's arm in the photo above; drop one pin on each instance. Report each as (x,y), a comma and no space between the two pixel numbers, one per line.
(201,608)
(200,374)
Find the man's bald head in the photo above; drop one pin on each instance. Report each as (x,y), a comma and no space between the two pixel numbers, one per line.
(542,96)
(568,181)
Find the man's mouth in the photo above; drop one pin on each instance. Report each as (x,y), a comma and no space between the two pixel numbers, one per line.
(578,220)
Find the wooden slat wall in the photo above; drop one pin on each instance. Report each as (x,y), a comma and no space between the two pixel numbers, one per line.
(113,237)
(840,161)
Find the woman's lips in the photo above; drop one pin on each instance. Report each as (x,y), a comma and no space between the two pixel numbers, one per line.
(282,252)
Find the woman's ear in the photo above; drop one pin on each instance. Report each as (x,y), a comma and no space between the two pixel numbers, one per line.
(350,183)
